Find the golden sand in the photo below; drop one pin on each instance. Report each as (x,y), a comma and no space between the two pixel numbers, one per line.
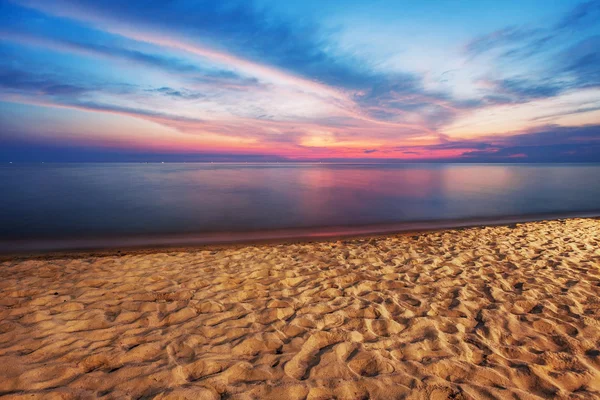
(496,312)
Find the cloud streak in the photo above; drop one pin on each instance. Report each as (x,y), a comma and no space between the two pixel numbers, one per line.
(239,74)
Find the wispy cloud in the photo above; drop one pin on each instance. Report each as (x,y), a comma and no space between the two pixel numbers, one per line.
(248,75)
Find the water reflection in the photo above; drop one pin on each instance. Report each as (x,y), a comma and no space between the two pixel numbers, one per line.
(53,201)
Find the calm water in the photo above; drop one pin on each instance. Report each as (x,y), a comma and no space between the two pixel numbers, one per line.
(107,200)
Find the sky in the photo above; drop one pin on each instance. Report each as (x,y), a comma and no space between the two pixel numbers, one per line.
(300,80)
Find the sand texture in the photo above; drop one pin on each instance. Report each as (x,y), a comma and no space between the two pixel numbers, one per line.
(496,312)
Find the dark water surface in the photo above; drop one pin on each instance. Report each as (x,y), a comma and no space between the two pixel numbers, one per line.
(86,201)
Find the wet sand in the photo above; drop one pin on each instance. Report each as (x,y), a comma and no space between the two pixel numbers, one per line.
(493,312)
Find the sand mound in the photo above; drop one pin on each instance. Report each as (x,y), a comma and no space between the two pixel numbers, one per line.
(496,312)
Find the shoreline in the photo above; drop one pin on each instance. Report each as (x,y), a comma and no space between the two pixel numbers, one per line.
(218,240)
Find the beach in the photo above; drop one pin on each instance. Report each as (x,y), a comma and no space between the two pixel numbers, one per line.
(506,312)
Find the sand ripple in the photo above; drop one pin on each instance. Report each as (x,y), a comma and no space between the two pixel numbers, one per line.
(496,312)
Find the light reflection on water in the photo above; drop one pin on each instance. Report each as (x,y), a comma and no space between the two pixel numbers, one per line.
(99,200)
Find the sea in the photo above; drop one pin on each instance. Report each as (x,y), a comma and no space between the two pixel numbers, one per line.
(76,206)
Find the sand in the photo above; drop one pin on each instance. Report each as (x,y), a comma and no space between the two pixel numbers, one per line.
(493,312)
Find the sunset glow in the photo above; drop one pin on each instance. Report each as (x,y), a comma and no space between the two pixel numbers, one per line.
(266,81)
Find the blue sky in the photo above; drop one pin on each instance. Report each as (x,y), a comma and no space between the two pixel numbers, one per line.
(301,80)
